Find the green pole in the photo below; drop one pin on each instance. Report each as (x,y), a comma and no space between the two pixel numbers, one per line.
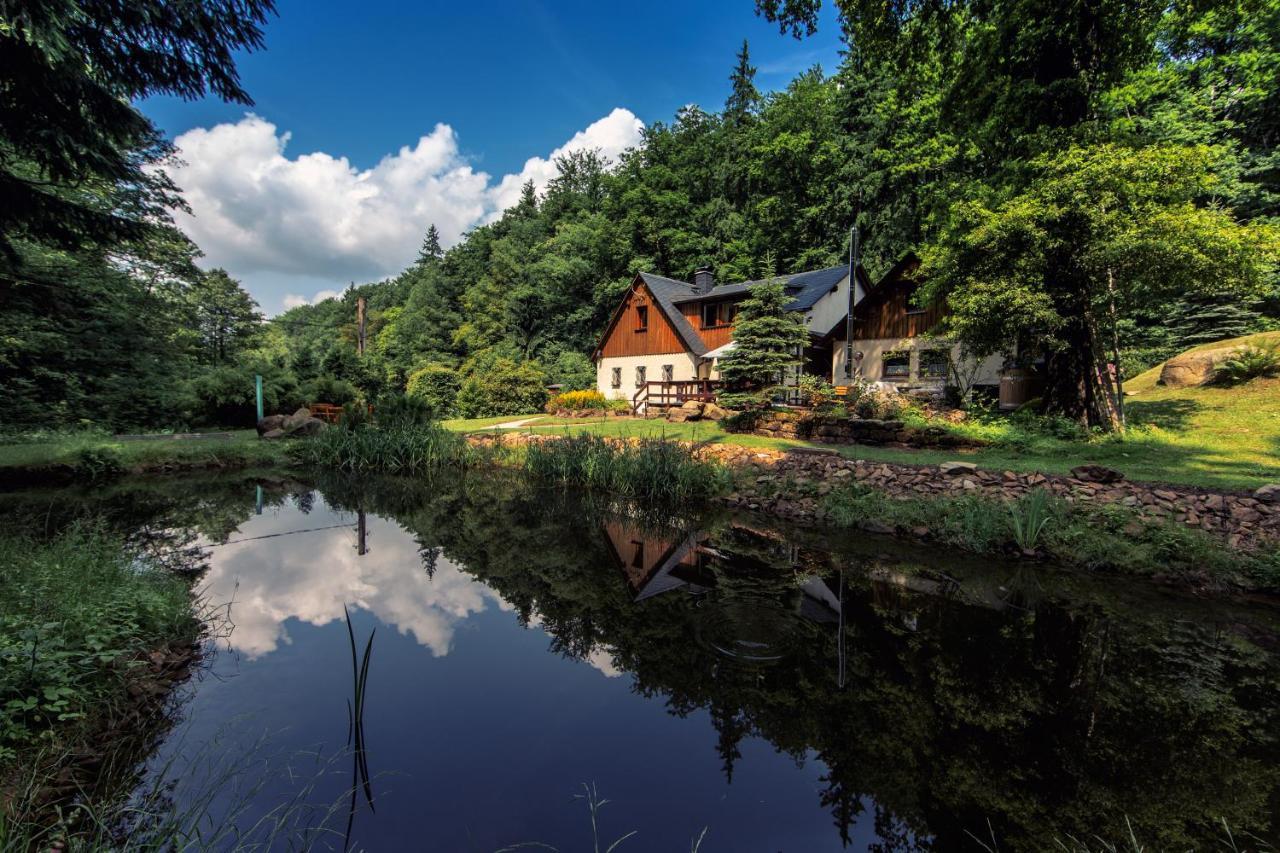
(257,381)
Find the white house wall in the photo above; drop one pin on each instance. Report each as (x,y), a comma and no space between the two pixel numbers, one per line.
(683,367)
(873,351)
(831,308)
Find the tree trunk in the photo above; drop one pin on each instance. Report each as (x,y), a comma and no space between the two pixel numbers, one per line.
(1078,384)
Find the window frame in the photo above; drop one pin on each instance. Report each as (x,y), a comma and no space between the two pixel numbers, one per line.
(642,318)
(640,375)
(895,355)
(944,359)
(615,379)
(668,373)
(721,308)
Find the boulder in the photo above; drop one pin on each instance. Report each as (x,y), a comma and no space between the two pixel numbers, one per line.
(712,412)
(693,406)
(1096,474)
(680,415)
(305,427)
(269,423)
(1194,368)
(272,434)
(1269,493)
(296,419)
(954,469)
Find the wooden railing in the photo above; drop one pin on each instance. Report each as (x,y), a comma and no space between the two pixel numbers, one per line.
(674,393)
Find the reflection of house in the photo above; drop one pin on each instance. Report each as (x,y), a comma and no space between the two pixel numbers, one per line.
(666,336)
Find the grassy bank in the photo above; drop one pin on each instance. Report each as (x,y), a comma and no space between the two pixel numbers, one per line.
(97,456)
(1108,537)
(91,637)
(1210,437)
(393,450)
(652,469)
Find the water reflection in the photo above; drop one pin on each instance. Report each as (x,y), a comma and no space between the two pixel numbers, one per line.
(790,690)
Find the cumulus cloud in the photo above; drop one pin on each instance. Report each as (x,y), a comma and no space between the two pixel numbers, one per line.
(261,213)
(295,300)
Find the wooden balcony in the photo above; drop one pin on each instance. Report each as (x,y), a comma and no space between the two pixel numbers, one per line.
(675,393)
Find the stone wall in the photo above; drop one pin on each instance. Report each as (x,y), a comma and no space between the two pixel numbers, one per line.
(834,430)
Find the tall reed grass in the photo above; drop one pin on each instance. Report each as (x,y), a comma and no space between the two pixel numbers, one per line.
(392,449)
(651,468)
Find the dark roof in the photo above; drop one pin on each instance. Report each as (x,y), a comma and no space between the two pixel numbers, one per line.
(667,292)
(805,288)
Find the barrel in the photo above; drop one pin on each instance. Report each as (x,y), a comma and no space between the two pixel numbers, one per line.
(1017,386)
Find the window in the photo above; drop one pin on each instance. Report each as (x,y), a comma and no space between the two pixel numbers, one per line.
(639,376)
(718,314)
(668,372)
(934,364)
(897,365)
(617,377)
(642,318)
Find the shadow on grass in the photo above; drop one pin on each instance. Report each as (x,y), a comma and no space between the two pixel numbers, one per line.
(1172,415)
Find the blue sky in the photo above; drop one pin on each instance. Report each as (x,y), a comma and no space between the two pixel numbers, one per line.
(472,89)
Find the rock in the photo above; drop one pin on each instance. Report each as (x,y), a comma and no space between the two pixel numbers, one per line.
(306,427)
(1096,474)
(680,415)
(1269,493)
(693,406)
(1194,368)
(272,434)
(269,423)
(953,469)
(712,412)
(292,421)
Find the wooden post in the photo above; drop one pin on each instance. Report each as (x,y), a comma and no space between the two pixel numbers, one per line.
(360,306)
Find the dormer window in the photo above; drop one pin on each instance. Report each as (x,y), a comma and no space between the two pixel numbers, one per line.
(718,314)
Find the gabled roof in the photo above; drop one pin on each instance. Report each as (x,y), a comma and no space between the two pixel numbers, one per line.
(667,292)
(804,288)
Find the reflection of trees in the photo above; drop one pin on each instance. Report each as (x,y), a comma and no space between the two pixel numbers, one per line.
(1064,714)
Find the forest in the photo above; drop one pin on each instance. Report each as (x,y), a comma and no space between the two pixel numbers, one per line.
(1089,181)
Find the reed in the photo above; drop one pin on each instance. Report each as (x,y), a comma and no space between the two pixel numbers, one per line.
(403,448)
(650,468)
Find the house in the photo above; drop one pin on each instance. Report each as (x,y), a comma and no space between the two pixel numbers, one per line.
(664,341)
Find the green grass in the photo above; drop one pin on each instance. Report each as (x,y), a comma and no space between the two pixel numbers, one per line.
(89,454)
(406,449)
(1212,437)
(652,469)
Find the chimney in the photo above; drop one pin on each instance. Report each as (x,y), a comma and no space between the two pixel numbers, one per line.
(703,280)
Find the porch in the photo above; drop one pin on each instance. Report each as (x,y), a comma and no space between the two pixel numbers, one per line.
(664,395)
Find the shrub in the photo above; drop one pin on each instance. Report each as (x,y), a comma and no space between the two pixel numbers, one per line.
(327,389)
(816,391)
(99,462)
(400,410)
(742,421)
(878,404)
(437,385)
(1252,362)
(573,371)
(354,416)
(651,468)
(502,387)
(577,400)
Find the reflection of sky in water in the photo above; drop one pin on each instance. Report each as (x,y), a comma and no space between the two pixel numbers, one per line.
(310,576)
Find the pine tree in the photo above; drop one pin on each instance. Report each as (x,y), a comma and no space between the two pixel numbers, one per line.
(1205,319)
(431,251)
(528,204)
(768,340)
(744,98)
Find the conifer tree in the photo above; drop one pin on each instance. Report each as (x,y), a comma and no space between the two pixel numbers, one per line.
(768,341)
(744,98)
(431,250)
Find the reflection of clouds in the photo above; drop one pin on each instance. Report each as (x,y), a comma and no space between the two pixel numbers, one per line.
(309,576)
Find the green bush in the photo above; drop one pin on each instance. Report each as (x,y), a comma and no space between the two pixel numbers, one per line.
(1252,362)
(397,411)
(437,385)
(816,391)
(651,468)
(99,462)
(75,613)
(502,387)
(327,389)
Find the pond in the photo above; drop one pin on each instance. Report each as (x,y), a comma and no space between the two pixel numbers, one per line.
(714,677)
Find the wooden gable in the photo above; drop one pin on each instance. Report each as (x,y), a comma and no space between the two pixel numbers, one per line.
(712,336)
(639,327)
(887,312)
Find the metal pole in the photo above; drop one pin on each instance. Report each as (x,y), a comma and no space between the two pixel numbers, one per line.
(257,381)
(853,285)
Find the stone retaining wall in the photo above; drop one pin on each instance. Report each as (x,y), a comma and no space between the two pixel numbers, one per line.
(833,430)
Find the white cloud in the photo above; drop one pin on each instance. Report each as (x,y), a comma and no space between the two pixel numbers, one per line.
(295,300)
(266,216)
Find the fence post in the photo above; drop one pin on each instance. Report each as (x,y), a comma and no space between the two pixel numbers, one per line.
(257,381)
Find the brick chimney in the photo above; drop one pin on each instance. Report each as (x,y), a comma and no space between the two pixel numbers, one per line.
(703,280)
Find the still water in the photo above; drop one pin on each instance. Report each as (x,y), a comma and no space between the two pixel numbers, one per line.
(761,687)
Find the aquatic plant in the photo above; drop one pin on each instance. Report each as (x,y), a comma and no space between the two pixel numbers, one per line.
(649,468)
(1029,515)
(394,449)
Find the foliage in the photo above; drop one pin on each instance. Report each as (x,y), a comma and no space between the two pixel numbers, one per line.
(1251,362)
(1029,515)
(78,615)
(502,387)
(767,340)
(877,403)
(326,389)
(816,391)
(653,469)
(394,449)
(437,385)
(400,411)
(576,401)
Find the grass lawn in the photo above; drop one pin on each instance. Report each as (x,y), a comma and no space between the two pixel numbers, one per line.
(88,450)
(1221,438)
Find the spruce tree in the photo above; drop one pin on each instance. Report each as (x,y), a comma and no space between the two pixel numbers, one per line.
(744,98)
(768,340)
(431,250)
